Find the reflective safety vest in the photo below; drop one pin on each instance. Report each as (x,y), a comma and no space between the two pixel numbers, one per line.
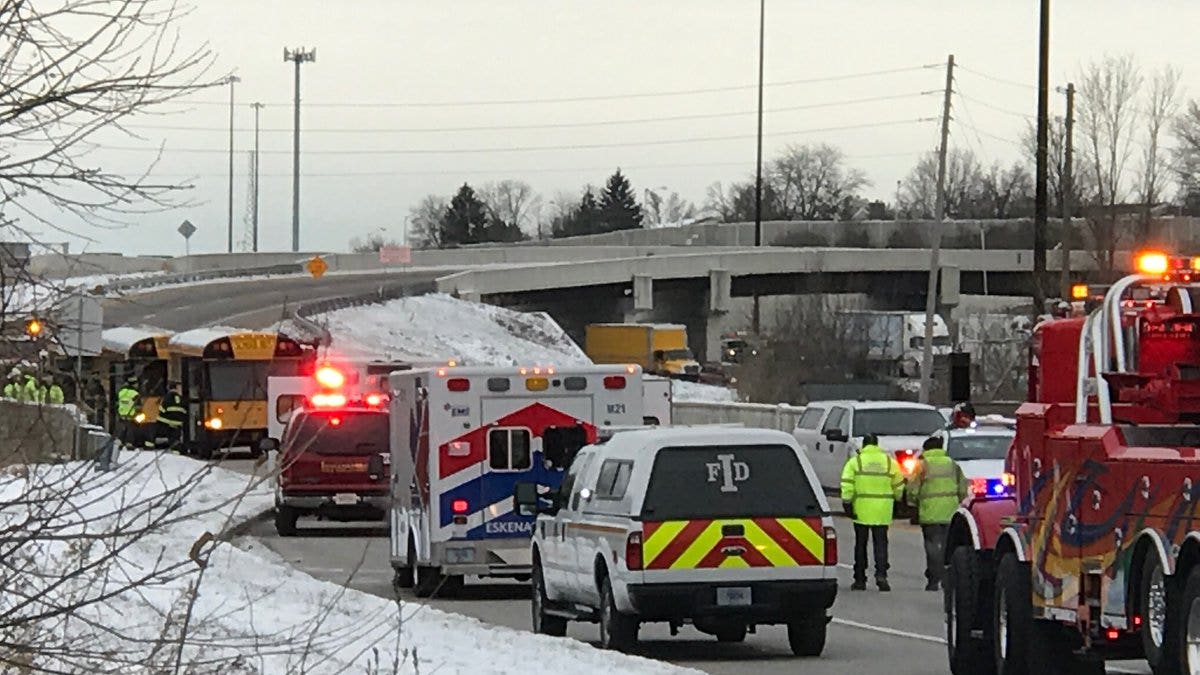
(30,391)
(171,411)
(871,483)
(55,395)
(127,402)
(12,390)
(936,487)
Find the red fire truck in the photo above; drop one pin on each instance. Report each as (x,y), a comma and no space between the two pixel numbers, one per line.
(1088,549)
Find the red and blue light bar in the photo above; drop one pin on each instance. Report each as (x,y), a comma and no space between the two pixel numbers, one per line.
(993,488)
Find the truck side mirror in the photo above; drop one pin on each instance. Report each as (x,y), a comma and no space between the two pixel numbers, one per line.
(836,435)
(268,444)
(527,501)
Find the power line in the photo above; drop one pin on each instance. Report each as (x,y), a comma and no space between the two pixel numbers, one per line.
(552,125)
(997,108)
(997,137)
(531,148)
(994,78)
(598,97)
(578,169)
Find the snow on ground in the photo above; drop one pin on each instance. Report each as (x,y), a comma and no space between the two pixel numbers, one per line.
(45,292)
(253,612)
(441,327)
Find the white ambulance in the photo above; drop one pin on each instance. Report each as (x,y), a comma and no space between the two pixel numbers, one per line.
(463,437)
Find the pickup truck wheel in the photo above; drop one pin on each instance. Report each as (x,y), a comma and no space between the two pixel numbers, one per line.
(617,631)
(806,635)
(968,655)
(285,520)
(544,623)
(732,633)
(1159,634)
(1012,618)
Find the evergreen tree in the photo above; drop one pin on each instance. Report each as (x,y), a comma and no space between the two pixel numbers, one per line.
(465,220)
(618,208)
(583,219)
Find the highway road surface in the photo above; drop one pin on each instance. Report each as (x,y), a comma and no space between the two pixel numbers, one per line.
(245,303)
(898,633)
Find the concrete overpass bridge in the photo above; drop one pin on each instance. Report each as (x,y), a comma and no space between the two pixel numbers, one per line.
(694,288)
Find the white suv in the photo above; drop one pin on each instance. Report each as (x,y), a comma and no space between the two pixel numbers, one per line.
(830,431)
(723,528)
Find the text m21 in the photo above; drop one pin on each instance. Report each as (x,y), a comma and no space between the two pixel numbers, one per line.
(616,408)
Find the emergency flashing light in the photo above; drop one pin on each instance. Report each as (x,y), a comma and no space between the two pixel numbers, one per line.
(335,421)
(458,384)
(330,377)
(1153,263)
(537,383)
(907,460)
(441,372)
(374,399)
(991,487)
(631,369)
(328,400)
(1079,292)
(33,327)
(614,382)
(459,506)
(215,423)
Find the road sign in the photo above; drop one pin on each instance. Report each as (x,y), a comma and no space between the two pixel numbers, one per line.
(391,255)
(79,320)
(187,229)
(317,266)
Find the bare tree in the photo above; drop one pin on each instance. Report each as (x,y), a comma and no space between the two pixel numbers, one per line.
(964,186)
(1108,117)
(813,181)
(74,71)
(1186,130)
(665,210)
(1161,107)
(1007,193)
(513,202)
(425,221)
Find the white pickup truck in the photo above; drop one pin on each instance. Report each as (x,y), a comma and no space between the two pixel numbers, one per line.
(829,432)
(724,528)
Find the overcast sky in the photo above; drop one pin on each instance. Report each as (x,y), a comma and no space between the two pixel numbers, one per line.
(365,165)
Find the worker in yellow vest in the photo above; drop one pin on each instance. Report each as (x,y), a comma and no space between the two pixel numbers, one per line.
(871,485)
(936,488)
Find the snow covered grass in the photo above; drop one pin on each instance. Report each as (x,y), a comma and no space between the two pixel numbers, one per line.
(133,571)
(434,327)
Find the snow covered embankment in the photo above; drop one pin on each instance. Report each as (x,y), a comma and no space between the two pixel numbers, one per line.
(113,573)
(442,327)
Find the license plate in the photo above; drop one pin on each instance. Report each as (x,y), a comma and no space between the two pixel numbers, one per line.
(345,499)
(733,597)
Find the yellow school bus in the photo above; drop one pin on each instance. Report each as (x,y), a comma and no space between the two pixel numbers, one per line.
(140,352)
(224,375)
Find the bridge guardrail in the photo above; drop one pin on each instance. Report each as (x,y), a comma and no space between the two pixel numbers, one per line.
(782,416)
(203,275)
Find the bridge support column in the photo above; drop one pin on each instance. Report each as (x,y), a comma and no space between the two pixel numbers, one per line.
(719,302)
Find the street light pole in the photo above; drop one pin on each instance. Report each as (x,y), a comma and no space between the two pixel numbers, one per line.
(1041,198)
(762,32)
(233,79)
(254,200)
(297,56)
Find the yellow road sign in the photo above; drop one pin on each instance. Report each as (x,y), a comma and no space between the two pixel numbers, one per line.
(316,267)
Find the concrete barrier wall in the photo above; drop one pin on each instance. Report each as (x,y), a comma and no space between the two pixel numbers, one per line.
(1181,233)
(756,415)
(36,433)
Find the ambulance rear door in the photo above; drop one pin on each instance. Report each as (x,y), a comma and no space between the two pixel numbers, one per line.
(285,395)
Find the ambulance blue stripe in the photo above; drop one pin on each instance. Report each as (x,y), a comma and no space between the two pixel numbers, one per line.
(493,487)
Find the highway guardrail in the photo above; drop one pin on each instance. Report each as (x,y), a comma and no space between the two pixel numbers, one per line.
(782,416)
(385,292)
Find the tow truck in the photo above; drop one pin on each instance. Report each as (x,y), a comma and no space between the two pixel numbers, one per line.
(1087,549)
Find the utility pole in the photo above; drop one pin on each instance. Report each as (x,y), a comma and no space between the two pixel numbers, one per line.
(1068,189)
(1041,209)
(935,245)
(297,56)
(762,32)
(233,79)
(254,193)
